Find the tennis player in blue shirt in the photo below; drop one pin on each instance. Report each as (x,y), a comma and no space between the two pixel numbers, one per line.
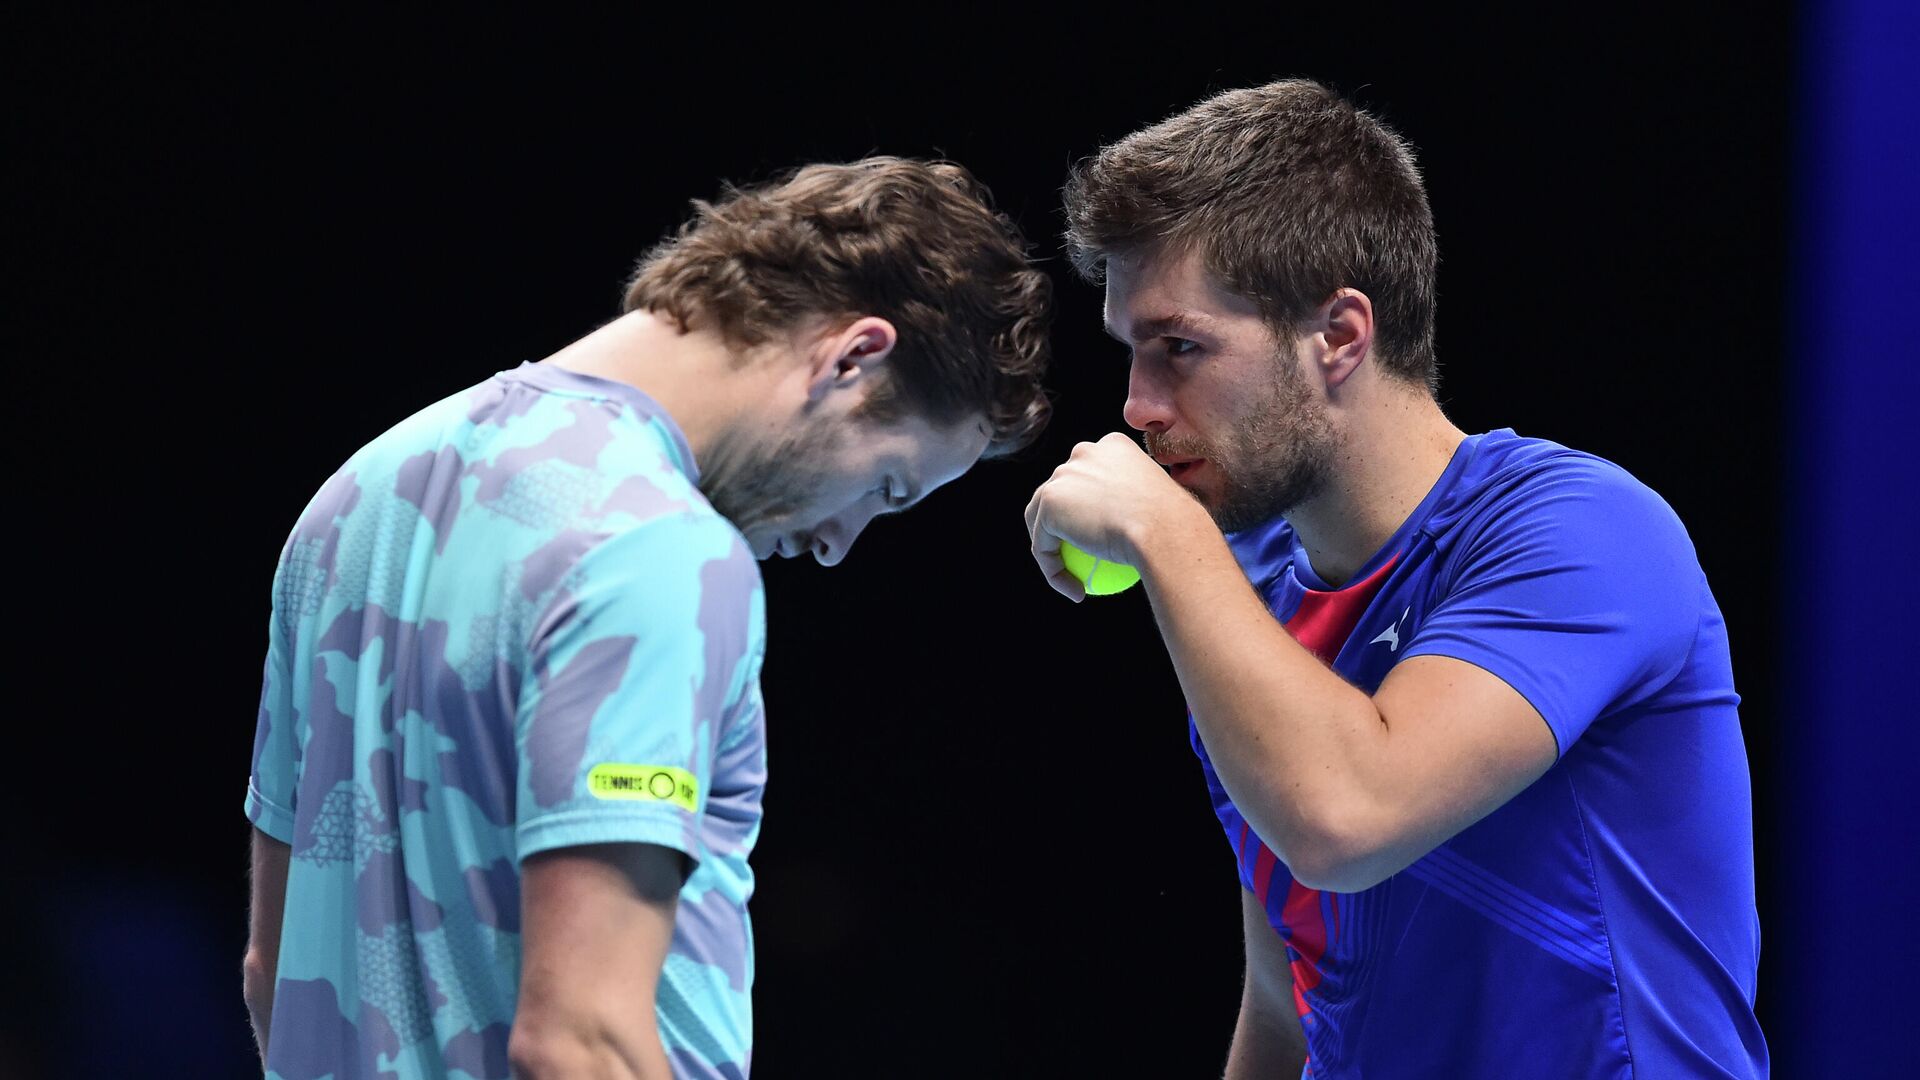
(1464,702)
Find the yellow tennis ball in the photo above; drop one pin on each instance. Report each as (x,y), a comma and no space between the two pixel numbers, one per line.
(1101,578)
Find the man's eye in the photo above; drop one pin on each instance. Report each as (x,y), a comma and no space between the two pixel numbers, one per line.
(1180,346)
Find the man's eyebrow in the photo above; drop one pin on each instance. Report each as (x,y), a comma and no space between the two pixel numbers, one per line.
(1178,324)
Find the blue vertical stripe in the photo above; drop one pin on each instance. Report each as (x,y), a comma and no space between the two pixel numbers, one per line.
(1848,861)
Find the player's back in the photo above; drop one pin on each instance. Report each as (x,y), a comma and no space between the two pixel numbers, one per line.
(429,715)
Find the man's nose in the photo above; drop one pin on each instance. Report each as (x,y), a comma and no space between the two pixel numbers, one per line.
(1149,407)
(834,538)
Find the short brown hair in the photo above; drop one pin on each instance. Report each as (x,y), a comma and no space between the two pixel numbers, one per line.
(1288,192)
(918,243)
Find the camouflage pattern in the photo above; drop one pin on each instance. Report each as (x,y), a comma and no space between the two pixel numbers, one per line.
(507,589)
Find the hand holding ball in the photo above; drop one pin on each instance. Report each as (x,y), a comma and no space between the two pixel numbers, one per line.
(1102,578)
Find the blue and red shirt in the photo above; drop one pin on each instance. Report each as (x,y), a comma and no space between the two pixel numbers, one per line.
(1602,922)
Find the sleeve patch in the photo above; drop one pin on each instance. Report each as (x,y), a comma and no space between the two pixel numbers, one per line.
(649,783)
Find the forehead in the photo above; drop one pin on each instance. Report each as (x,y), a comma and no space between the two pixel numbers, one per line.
(1152,292)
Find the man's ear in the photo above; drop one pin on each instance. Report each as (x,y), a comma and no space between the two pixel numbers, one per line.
(851,357)
(1342,335)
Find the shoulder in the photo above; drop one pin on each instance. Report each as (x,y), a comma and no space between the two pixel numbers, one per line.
(1515,468)
(425,431)
(694,548)
(679,587)
(1532,489)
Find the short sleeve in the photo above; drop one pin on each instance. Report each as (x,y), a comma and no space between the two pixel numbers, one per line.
(273,780)
(1579,588)
(636,668)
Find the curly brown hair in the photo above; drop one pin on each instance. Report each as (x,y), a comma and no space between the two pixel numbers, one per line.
(1288,192)
(918,243)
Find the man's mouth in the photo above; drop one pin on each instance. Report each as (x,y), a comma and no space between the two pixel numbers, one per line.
(1178,467)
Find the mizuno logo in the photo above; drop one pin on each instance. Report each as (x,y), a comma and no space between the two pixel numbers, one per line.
(1391,635)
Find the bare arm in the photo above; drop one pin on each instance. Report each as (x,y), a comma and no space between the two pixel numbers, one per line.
(1268,1041)
(1346,788)
(596,923)
(268,905)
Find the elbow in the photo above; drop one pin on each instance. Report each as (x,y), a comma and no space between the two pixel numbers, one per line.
(1334,855)
(543,1051)
(256,983)
(1335,876)
(1326,871)
(540,1048)
(532,1055)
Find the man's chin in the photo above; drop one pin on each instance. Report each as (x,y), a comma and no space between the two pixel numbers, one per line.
(1209,499)
(1239,515)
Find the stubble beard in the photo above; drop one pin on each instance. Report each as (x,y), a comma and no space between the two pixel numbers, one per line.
(754,483)
(1278,456)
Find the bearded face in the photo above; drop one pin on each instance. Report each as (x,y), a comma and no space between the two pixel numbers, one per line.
(757,484)
(811,486)
(1267,456)
(1227,400)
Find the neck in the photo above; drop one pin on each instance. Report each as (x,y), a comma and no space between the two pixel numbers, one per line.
(695,376)
(1396,446)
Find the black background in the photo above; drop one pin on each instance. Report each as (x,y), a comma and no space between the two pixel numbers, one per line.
(252,246)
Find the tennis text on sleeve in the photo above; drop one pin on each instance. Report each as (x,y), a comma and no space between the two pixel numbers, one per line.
(650,783)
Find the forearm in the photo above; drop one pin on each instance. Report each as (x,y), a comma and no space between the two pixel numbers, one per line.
(257,987)
(1290,740)
(266,908)
(1267,1039)
(1265,1046)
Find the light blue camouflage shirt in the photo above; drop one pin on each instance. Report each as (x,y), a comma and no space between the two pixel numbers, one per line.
(509,624)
